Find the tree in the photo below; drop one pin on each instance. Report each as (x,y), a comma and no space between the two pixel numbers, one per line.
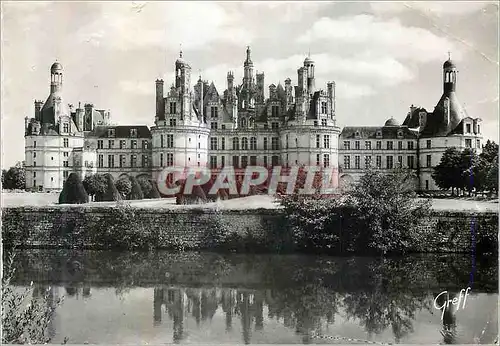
(447,173)
(14,178)
(491,179)
(135,192)
(154,193)
(490,151)
(389,213)
(124,186)
(111,193)
(73,191)
(468,165)
(145,185)
(95,185)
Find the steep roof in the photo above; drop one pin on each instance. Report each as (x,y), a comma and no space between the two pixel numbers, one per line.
(121,131)
(412,119)
(370,132)
(437,123)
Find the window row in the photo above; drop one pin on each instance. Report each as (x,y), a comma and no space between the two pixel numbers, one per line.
(133,162)
(349,163)
(122,144)
(410,145)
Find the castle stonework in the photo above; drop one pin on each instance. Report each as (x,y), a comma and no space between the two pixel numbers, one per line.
(200,127)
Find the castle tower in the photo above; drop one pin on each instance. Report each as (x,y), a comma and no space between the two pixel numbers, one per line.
(449,76)
(309,66)
(248,70)
(56,77)
(182,74)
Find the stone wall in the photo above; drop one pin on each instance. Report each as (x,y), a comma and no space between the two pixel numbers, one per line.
(125,227)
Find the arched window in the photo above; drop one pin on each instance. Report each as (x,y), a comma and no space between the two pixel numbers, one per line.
(236,143)
(244,143)
(243,122)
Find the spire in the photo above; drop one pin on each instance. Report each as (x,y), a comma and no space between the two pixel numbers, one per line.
(449,55)
(248,60)
(180,50)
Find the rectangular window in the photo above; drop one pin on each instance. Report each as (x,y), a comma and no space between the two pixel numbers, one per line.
(145,144)
(133,161)
(467,126)
(161,159)
(173,122)
(145,161)
(275,160)
(133,144)
(323,122)
(356,145)
(34,155)
(34,144)
(161,141)
(324,107)
(326,160)
(389,162)
(315,123)
(223,143)
(111,160)
(400,145)
(244,143)
(253,160)
(222,161)
(379,161)
(357,162)
(65,154)
(275,111)
(170,159)
(213,143)
(66,127)
(368,161)
(34,174)
(368,145)
(213,162)
(428,161)
(253,143)
(275,143)
(244,161)
(410,145)
(318,141)
(111,132)
(347,145)
(478,143)
(265,161)
(265,143)
(213,125)
(223,126)
(274,125)
(122,144)
(100,144)
(389,145)
(326,141)
(214,112)
(468,143)
(318,159)
(66,142)
(347,162)
(236,161)
(428,144)
(236,143)
(400,161)
(111,144)
(286,141)
(65,174)
(427,184)
(379,145)
(100,162)
(122,161)
(170,141)
(173,107)
(34,164)
(65,164)
(410,162)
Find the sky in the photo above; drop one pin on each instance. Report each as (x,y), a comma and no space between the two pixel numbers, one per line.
(383,56)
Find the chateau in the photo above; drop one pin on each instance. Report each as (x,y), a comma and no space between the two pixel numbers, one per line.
(295,125)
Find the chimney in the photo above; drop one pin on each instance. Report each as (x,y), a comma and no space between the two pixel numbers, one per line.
(160,109)
(38,108)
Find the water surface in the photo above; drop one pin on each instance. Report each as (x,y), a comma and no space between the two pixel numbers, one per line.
(167,297)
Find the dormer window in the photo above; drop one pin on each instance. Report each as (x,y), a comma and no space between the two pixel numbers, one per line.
(133,133)
(65,127)
(111,132)
(468,128)
(379,134)
(357,134)
(400,134)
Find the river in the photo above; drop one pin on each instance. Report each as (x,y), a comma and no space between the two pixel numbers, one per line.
(190,297)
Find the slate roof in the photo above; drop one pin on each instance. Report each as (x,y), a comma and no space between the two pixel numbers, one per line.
(370,132)
(437,124)
(121,131)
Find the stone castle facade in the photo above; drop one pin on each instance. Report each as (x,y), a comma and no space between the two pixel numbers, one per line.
(200,127)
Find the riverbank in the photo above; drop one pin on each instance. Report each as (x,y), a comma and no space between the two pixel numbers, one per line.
(10,200)
(201,227)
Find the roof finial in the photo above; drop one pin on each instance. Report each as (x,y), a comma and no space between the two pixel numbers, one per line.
(449,55)
(180,50)
(309,53)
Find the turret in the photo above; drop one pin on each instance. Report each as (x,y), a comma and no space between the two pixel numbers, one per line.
(200,98)
(449,76)
(302,80)
(230,80)
(89,117)
(160,108)
(248,70)
(79,117)
(182,75)
(56,77)
(309,66)
(331,94)
(288,93)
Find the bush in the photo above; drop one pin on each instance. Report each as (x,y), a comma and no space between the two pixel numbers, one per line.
(95,185)
(197,195)
(154,193)
(124,186)
(110,193)
(145,185)
(25,317)
(135,192)
(73,191)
